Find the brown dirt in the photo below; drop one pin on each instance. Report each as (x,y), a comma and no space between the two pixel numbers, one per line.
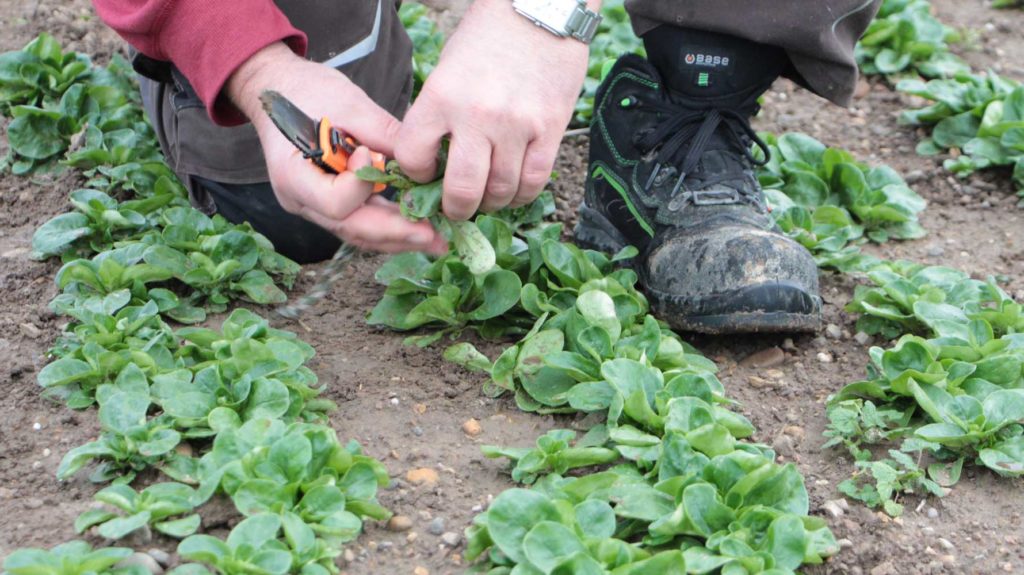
(407,406)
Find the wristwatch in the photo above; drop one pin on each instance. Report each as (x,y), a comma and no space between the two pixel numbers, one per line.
(563,18)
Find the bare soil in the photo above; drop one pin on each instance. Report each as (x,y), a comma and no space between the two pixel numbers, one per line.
(407,406)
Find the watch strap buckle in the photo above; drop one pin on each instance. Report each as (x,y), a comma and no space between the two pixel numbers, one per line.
(583,23)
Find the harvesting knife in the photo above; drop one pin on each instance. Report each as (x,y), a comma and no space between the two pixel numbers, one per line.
(329,149)
(320,142)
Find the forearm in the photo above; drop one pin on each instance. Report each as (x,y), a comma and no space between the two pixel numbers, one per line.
(266,69)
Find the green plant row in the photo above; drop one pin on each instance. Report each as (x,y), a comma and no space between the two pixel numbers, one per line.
(137,256)
(684,491)
(978,119)
(951,389)
(586,343)
(906,39)
(830,203)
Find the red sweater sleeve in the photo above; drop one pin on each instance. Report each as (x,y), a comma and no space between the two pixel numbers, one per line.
(207,40)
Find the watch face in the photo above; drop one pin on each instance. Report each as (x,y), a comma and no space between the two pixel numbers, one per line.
(552,13)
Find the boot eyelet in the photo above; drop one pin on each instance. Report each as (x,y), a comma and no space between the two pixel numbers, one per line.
(628,102)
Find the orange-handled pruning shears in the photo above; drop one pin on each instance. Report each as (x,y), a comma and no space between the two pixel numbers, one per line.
(329,149)
(318,140)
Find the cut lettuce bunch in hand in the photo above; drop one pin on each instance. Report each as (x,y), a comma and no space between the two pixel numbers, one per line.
(423,202)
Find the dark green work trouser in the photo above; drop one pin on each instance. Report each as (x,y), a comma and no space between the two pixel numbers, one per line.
(364,39)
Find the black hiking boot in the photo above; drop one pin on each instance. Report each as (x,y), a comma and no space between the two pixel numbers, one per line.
(672,173)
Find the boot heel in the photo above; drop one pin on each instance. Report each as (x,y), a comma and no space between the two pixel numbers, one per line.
(594,231)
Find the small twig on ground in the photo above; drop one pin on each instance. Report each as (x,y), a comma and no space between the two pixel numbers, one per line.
(576,132)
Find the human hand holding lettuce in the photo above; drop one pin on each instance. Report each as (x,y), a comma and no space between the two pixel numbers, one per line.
(502,148)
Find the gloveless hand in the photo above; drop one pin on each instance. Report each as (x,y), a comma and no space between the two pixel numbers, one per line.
(504,91)
(342,204)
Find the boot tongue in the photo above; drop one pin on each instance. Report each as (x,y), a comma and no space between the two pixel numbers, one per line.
(707,69)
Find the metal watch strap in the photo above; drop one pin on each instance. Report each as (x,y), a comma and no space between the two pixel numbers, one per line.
(583,22)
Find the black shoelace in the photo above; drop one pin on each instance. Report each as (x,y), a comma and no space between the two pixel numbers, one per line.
(693,130)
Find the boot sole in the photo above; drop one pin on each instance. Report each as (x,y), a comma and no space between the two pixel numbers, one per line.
(594,231)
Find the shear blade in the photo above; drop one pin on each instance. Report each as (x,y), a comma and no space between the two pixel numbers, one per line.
(299,128)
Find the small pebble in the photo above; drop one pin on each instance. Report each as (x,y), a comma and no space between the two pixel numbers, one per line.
(451,539)
(37,426)
(824,357)
(845,543)
(914,176)
(833,509)
(421,476)
(46,452)
(349,556)
(770,357)
(436,526)
(394,401)
(399,523)
(948,559)
(945,543)
(162,557)
(788,345)
(472,427)
(862,338)
(417,431)
(142,560)
(932,513)
(833,331)
(31,330)
(420,570)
